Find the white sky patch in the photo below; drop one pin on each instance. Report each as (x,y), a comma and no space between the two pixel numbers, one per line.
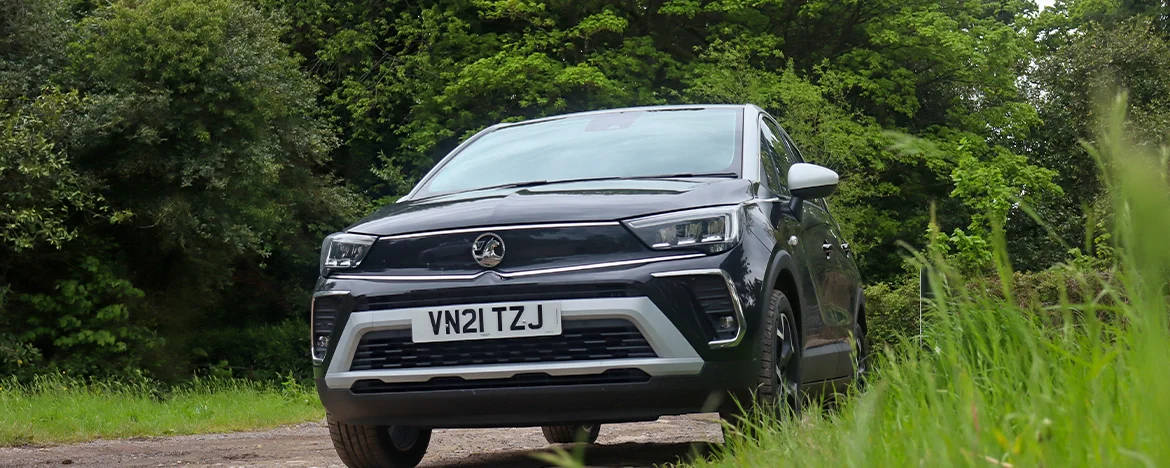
(1044,3)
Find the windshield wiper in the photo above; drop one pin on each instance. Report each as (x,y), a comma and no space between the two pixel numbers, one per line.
(680,175)
(534,183)
(684,175)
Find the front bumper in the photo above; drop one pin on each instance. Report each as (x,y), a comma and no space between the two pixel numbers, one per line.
(717,387)
(687,374)
(675,355)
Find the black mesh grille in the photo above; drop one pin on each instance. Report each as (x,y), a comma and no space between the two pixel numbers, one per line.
(613,376)
(522,292)
(711,292)
(715,301)
(324,314)
(323,317)
(579,340)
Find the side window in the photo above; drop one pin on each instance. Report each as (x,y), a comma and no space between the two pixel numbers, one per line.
(770,162)
(777,148)
(797,157)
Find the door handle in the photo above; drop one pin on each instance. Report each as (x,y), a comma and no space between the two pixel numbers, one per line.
(845,247)
(827,247)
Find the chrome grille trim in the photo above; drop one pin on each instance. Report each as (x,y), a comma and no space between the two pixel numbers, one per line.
(515,227)
(519,274)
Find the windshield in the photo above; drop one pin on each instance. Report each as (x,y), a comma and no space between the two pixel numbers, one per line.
(632,144)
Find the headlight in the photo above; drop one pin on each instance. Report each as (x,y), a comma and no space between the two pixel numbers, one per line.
(713,230)
(343,250)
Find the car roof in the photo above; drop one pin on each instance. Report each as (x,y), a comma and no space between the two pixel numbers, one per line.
(627,109)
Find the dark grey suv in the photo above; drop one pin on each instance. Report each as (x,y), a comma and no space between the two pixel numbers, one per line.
(583,269)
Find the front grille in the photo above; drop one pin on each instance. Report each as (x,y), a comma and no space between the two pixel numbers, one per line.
(612,376)
(580,340)
(482,294)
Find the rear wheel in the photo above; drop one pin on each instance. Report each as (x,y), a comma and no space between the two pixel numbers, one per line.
(778,389)
(365,446)
(573,433)
(861,356)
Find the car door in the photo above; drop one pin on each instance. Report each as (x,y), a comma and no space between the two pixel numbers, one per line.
(823,342)
(838,285)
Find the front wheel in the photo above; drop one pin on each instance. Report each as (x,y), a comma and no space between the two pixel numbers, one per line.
(778,391)
(365,446)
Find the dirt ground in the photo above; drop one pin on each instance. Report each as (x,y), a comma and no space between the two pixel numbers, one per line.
(307,445)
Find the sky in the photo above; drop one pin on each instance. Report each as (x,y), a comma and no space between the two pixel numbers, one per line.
(1044,3)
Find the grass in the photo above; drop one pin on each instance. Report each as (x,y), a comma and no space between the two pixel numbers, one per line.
(993,384)
(58,409)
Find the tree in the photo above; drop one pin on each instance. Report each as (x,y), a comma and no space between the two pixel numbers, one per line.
(192,127)
(1088,56)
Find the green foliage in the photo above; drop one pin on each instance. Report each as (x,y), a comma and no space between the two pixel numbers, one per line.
(86,322)
(58,409)
(17,358)
(158,159)
(1082,58)
(264,352)
(198,107)
(892,312)
(41,188)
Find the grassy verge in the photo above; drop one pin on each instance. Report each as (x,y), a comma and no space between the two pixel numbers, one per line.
(994,384)
(56,409)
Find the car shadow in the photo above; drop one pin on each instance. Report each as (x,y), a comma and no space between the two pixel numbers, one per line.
(628,454)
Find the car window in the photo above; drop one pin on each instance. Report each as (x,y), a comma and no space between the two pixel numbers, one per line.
(796,157)
(630,144)
(791,154)
(770,162)
(778,150)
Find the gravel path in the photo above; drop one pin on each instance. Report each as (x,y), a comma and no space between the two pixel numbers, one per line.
(307,445)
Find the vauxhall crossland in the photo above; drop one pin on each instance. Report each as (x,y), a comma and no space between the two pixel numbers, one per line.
(589,268)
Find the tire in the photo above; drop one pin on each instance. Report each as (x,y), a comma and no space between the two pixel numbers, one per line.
(364,446)
(861,353)
(778,389)
(571,434)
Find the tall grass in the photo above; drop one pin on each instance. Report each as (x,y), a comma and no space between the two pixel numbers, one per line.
(54,409)
(994,384)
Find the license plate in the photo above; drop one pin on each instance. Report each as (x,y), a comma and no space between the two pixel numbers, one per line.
(486,321)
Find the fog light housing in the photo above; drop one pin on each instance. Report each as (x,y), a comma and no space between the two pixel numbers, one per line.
(322,315)
(726,323)
(716,299)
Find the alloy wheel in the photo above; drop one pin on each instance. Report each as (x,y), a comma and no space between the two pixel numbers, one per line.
(785,352)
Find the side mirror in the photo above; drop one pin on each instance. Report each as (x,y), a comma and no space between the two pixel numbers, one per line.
(809,181)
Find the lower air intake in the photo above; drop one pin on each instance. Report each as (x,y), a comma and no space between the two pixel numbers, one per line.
(613,376)
(580,340)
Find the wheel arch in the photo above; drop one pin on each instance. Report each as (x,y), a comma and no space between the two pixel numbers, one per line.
(782,276)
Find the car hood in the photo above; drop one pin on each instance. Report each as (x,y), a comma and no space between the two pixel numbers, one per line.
(553,203)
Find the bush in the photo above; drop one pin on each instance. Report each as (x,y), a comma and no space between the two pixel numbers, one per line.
(85,324)
(263,352)
(892,311)
(17,358)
